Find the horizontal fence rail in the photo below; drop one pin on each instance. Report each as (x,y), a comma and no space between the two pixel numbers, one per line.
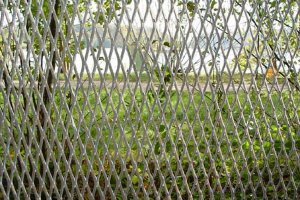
(140,99)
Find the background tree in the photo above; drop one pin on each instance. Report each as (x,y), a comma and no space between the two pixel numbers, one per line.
(32,55)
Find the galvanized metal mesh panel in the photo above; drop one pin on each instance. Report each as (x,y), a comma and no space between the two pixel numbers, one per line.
(149,99)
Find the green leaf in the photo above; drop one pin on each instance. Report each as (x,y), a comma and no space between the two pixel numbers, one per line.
(135,179)
(117,6)
(246,145)
(213,3)
(162,128)
(167,44)
(106,4)
(101,19)
(274,128)
(256,145)
(82,44)
(277,145)
(267,145)
(154,41)
(157,149)
(167,77)
(273,4)
(191,6)
(168,146)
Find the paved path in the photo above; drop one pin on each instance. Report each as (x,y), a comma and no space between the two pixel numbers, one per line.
(204,87)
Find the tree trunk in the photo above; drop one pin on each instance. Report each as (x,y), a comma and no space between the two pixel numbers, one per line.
(42,135)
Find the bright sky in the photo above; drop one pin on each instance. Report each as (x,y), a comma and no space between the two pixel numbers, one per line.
(160,15)
(7,17)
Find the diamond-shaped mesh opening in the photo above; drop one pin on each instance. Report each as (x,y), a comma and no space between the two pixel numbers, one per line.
(149,99)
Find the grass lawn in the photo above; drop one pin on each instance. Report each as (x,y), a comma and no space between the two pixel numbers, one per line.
(199,143)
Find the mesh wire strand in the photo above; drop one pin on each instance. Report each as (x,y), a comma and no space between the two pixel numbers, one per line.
(149,99)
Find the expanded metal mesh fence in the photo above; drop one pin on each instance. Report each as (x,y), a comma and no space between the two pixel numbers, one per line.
(149,99)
